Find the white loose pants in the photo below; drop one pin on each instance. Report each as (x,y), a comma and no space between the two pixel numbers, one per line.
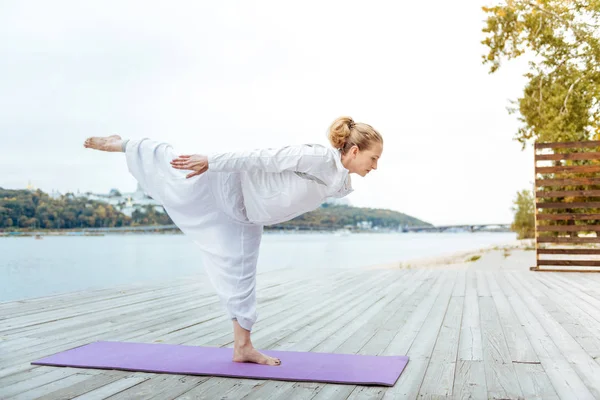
(209,209)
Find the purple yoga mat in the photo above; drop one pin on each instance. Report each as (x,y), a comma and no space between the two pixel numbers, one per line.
(217,361)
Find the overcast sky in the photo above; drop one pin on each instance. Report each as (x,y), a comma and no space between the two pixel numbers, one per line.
(212,76)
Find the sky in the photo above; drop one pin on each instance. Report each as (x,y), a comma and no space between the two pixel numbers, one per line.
(209,76)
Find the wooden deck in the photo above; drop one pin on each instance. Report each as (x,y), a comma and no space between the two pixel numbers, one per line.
(488,329)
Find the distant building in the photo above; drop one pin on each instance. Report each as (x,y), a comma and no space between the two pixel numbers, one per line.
(338,201)
(127,203)
(364,225)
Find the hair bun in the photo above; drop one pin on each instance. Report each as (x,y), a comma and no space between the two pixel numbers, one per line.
(339,131)
(345,133)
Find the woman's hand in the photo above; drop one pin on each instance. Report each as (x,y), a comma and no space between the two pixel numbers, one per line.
(196,162)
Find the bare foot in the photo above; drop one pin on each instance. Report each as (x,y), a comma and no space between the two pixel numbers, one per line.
(110,143)
(251,355)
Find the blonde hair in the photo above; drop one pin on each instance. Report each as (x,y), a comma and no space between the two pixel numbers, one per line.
(345,133)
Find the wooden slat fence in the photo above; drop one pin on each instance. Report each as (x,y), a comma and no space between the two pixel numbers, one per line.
(567,206)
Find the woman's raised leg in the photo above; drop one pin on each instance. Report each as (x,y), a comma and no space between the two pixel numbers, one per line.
(109,143)
(230,248)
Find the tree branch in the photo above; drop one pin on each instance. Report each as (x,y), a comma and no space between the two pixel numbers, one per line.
(564,108)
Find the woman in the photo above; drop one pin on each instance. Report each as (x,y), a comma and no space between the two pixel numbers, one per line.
(233,195)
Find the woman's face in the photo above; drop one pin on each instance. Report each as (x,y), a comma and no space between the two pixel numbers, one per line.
(362,162)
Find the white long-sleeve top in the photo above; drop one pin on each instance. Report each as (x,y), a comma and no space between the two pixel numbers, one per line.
(280,184)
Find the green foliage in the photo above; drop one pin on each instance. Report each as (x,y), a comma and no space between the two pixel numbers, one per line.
(561,101)
(524,220)
(24,209)
(150,217)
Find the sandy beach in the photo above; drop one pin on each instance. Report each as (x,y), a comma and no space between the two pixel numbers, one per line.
(525,249)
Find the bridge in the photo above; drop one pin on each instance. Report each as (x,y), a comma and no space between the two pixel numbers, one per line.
(467,227)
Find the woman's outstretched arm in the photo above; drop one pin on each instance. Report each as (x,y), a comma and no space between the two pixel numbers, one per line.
(310,159)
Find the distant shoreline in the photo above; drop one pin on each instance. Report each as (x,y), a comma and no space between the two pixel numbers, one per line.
(332,231)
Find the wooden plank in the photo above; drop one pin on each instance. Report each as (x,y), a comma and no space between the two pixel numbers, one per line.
(581,315)
(567,240)
(97,379)
(581,263)
(563,269)
(470,344)
(576,169)
(574,181)
(70,300)
(429,318)
(50,387)
(587,285)
(500,375)
(209,389)
(581,282)
(519,347)
(102,307)
(565,380)
(568,228)
(469,382)
(584,299)
(566,145)
(586,368)
(568,156)
(30,373)
(581,251)
(578,204)
(460,287)
(569,217)
(9,390)
(534,382)
(566,193)
(439,376)
(93,382)
(482,287)
(354,343)
(105,391)
(384,335)
(585,334)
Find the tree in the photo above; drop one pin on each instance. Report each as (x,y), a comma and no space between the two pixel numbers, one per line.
(561,101)
(524,221)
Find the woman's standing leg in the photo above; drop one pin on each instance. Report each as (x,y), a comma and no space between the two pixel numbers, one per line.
(230,259)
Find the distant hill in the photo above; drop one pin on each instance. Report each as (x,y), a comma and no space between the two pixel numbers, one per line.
(27,209)
(339,216)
